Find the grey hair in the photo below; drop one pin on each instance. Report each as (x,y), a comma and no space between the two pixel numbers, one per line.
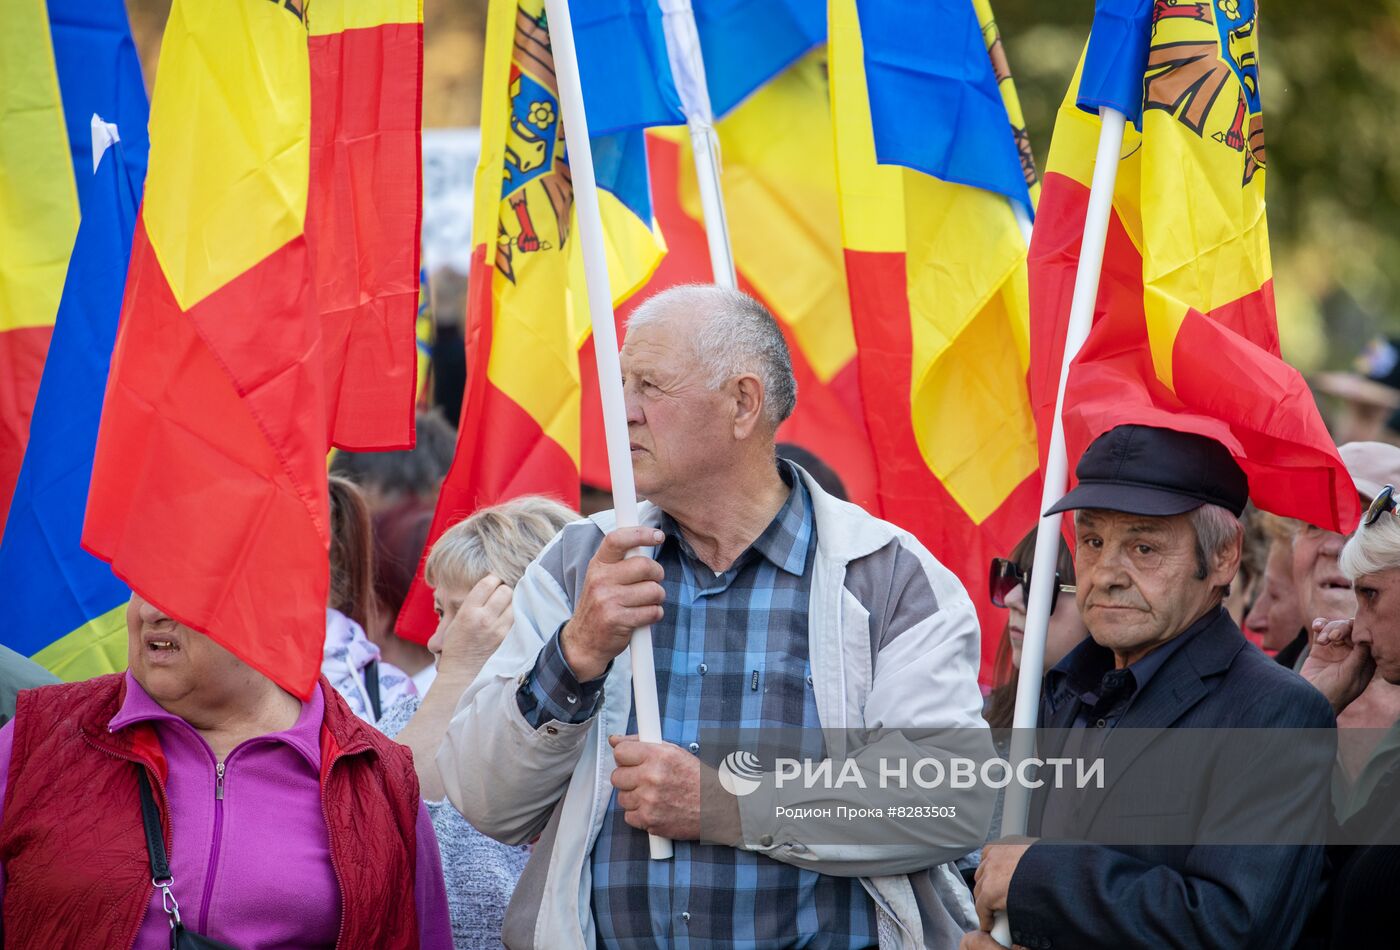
(502,540)
(1372,548)
(1217,530)
(739,335)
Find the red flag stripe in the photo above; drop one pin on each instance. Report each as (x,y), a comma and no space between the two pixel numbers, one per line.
(910,495)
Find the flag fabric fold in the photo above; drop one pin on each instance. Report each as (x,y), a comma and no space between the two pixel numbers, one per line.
(365,211)
(1184,333)
(66,607)
(936,271)
(208,488)
(527,312)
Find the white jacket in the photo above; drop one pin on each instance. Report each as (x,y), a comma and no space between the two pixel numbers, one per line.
(893,642)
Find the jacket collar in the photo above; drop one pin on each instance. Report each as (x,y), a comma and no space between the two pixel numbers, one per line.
(845,532)
(304,736)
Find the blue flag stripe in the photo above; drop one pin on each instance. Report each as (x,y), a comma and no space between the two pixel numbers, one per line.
(934,102)
(623,65)
(748,42)
(98,71)
(59,586)
(1116,59)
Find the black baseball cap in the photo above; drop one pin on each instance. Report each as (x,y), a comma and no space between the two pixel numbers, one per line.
(1144,470)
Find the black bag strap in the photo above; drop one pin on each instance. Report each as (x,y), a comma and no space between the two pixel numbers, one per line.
(180,938)
(372,688)
(155,838)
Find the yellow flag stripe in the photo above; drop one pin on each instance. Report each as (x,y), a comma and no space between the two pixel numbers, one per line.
(968,306)
(784,215)
(38,197)
(97,647)
(324,17)
(230,142)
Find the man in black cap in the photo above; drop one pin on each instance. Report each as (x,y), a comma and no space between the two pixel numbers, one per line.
(1158,541)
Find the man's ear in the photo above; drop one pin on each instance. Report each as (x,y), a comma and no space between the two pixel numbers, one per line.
(1225,563)
(748,405)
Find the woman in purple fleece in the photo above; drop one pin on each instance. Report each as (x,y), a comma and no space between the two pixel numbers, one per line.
(288,823)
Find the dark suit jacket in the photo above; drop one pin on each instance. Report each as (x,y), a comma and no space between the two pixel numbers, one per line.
(1236,896)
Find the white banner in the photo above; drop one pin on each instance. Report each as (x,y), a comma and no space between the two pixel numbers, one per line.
(449,165)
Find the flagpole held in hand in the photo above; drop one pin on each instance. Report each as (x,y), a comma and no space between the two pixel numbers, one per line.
(595,269)
(1081,319)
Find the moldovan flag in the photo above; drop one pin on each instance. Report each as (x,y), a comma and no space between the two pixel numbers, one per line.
(365,212)
(208,490)
(1184,332)
(928,165)
(527,312)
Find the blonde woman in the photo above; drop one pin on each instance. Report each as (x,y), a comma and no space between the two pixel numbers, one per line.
(472,569)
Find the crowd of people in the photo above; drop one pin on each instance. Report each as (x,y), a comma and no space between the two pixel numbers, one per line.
(490,787)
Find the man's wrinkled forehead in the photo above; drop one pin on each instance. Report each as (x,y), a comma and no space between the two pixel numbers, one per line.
(1102,519)
(665,343)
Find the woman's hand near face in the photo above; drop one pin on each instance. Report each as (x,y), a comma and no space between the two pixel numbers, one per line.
(463,643)
(1337,666)
(478,627)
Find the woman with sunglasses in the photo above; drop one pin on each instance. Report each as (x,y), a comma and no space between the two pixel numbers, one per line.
(1010,580)
(1359,909)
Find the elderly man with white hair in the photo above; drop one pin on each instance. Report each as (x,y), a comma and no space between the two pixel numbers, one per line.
(1359,909)
(773,606)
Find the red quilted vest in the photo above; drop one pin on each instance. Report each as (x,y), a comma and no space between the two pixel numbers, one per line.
(76,868)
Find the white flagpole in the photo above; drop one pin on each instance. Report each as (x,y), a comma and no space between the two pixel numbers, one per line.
(1047,542)
(1023,219)
(595,269)
(688,71)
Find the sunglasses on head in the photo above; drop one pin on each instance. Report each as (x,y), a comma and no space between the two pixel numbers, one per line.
(1007,575)
(1384,502)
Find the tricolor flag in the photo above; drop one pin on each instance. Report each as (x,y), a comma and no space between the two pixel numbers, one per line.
(527,313)
(1184,332)
(236,347)
(928,165)
(65,606)
(58,66)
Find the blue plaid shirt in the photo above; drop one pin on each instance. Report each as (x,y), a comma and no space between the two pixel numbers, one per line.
(731,650)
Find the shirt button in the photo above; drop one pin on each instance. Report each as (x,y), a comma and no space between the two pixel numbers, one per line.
(809,679)
(1101,723)
(551,730)
(766,841)
(694,747)
(702,669)
(571,698)
(685,915)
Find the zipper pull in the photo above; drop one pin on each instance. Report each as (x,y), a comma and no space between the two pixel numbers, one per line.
(219,783)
